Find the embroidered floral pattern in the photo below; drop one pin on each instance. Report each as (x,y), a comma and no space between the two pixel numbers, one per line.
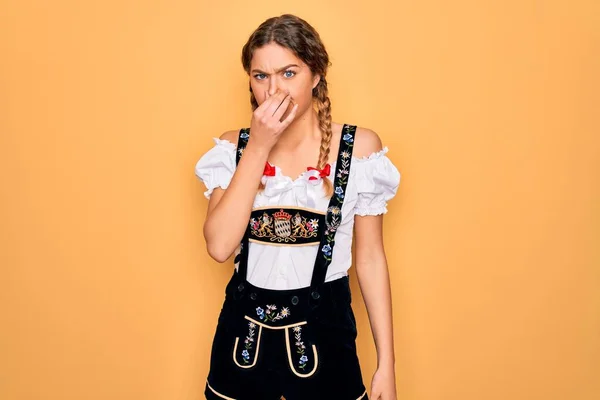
(283,227)
(243,141)
(248,342)
(300,347)
(271,314)
(344,167)
(333,219)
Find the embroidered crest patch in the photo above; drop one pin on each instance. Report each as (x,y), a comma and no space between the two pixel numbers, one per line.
(286,225)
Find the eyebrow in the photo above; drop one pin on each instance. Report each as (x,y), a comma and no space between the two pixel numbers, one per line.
(279,70)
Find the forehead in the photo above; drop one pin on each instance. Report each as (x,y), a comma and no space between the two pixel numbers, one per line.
(273,56)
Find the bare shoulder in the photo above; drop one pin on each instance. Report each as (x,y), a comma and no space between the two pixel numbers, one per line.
(366,142)
(231,136)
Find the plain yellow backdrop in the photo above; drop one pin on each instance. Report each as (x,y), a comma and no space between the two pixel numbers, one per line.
(491,113)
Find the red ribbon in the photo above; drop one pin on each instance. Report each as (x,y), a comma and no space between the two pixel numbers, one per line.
(269,170)
(322,172)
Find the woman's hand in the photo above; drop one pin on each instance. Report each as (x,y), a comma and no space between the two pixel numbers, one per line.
(231,208)
(266,125)
(383,385)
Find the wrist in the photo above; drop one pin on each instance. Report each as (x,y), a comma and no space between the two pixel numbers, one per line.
(387,363)
(259,151)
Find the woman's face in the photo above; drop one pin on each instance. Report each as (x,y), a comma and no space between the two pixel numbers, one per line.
(273,68)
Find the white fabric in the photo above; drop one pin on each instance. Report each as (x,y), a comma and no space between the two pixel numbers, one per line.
(372,182)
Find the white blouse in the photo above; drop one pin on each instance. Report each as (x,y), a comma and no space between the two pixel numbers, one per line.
(372,181)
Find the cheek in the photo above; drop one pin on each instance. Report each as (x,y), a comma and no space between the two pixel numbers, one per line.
(259,93)
(304,101)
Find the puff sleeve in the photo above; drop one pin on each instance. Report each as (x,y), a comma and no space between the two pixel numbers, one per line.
(377,181)
(216,167)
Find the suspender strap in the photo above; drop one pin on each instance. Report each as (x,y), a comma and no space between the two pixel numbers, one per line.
(243,266)
(333,218)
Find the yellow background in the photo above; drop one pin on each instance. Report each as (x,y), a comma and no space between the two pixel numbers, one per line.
(490,110)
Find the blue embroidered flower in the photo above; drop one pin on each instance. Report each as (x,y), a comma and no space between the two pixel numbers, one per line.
(244,135)
(248,342)
(300,347)
(326,249)
(348,138)
(339,191)
(260,312)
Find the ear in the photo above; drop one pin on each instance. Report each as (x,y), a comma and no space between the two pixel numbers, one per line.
(316,80)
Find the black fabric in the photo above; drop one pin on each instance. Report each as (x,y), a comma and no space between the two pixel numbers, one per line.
(267,374)
(299,343)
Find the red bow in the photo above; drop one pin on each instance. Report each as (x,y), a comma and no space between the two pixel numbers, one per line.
(269,170)
(322,172)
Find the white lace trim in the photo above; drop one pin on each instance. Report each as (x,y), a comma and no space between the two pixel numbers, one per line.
(372,156)
(226,143)
(362,211)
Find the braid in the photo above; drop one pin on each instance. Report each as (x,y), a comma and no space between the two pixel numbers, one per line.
(321,93)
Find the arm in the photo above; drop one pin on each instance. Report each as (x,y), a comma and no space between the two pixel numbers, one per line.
(374,281)
(229,210)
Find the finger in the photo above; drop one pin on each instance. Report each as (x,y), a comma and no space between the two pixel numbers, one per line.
(375,392)
(276,102)
(288,120)
(267,102)
(283,107)
(269,99)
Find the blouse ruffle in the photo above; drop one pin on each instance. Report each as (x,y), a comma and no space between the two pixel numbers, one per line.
(216,167)
(377,180)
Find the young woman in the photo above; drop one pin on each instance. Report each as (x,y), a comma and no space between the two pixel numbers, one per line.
(284,197)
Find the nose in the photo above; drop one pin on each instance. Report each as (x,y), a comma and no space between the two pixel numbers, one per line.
(274,84)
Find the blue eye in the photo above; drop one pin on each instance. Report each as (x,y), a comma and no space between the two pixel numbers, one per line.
(291,72)
(258,75)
